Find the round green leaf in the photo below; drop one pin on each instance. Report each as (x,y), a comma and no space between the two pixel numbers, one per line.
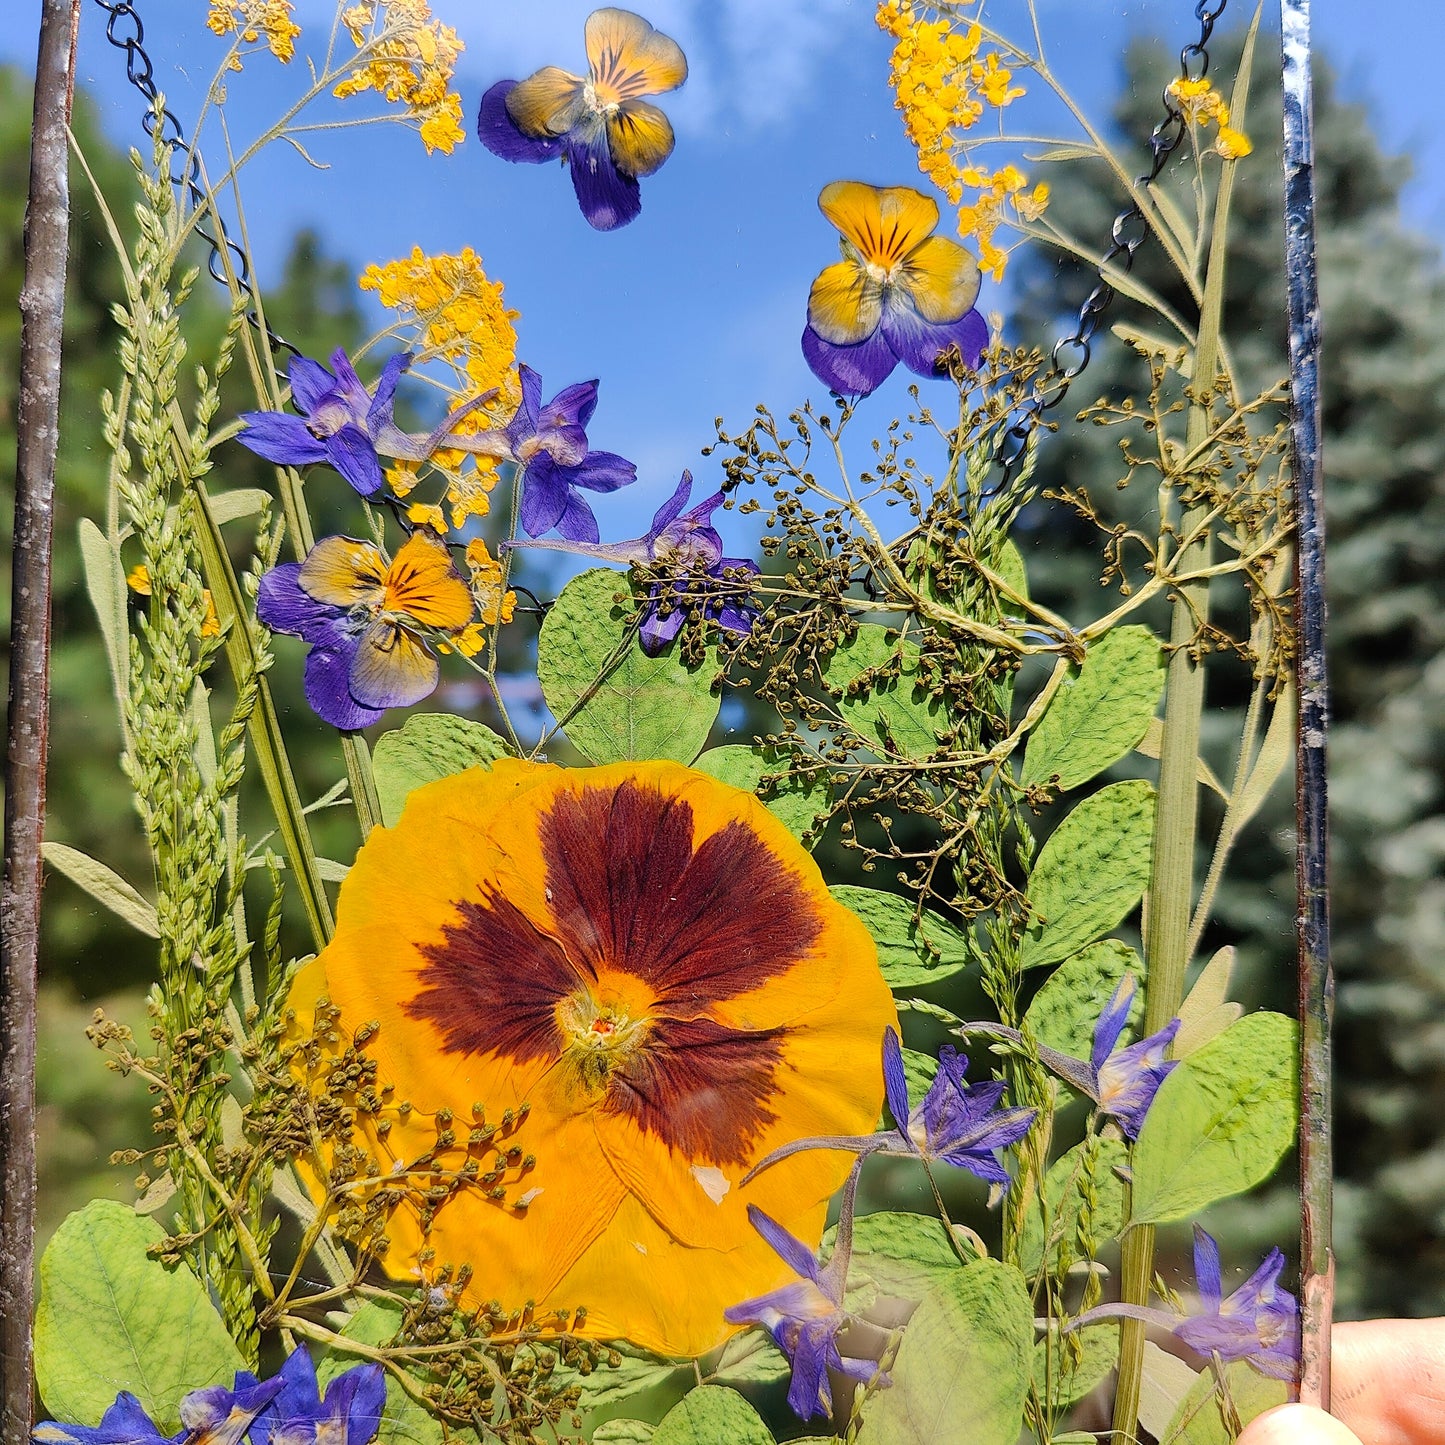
(795,803)
(1091,873)
(614,702)
(911,954)
(1100,712)
(962,1372)
(751,1358)
(1202,1418)
(897,1256)
(1084,1172)
(111,1318)
(428,746)
(1066,1369)
(886,712)
(712,1415)
(1065,1010)
(1220,1122)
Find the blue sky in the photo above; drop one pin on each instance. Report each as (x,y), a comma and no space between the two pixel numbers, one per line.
(695,309)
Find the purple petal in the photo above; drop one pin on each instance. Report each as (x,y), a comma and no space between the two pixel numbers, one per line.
(284,606)
(502,136)
(531,382)
(358,1397)
(572,406)
(1206,1269)
(279,438)
(577,523)
(736,619)
(895,1081)
(808,1392)
(794,1253)
(671,509)
(328,669)
(602,472)
(544,497)
(565,442)
(379,412)
(657,631)
(1112,1020)
(353,454)
(849,370)
(608,198)
(310,381)
(348,384)
(919,343)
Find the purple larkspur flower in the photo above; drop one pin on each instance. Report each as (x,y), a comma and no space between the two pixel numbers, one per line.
(350,428)
(1126,1080)
(549,444)
(689,542)
(900,293)
(1258,1323)
(599,124)
(805,1317)
(365,619)
(350,1413)
(212,1416)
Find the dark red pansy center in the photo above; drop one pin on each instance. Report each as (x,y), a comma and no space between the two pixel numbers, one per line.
(631,899)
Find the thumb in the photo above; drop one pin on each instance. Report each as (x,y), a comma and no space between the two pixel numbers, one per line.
(1297,1425)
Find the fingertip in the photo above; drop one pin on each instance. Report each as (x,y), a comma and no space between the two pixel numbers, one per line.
(1296,1425)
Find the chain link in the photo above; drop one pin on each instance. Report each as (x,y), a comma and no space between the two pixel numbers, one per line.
(123,29)
(1129,232)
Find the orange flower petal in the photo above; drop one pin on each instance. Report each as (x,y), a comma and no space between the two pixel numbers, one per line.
(942,278)
(845,304)
(344,572)
(640,137)
(423,583)
(547,103)
(649,960)
(885,223)
(629,58)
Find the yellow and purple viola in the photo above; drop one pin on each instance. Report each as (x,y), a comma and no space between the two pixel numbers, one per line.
(598,123)
(900,293)
(366,620)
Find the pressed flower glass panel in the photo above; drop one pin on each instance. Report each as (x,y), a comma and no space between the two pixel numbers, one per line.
(674,692)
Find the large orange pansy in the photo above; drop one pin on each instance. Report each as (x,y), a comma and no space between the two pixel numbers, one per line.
(647,959)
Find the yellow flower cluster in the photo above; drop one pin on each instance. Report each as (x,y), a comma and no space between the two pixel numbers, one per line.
(409,58)
(254,18)
(461,318)
(138,579)
(944,83)
(1203,106)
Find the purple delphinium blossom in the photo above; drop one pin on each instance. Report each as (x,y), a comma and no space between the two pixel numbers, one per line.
(806,1316)
(1258,1323)
(960,1123)
(549,443)
(350,1413)
(213,1416)
(693,545)
(599,124)
(350,428)
(1125,1082)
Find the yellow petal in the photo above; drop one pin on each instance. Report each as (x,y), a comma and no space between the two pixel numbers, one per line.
(885,223)
(344,572)
(845,304)
(629,58)
(547,103)
(422,582)
(640,137)
(942,278)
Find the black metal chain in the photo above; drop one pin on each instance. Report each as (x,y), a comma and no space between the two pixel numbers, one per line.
(1129,232)
(124,30)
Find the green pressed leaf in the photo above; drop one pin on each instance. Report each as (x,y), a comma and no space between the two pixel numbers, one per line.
(404,1421)
(712,1415)
(426,747)
(1220,1122)
(635,1372)
(105,584)
(795,803)
(1100,712)
(1167,1382)
(1152,743)
(615,703)
(751,1358)
(1203,1418)
(896,1256)
(111,1318)
(1207,1012)
(243,502)
(1065,1010)
(1091,873)
(893,711)
(962,1371)
(1053,1217)
(623,1432)
(104,885)
(1067,1368)
(911,954)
